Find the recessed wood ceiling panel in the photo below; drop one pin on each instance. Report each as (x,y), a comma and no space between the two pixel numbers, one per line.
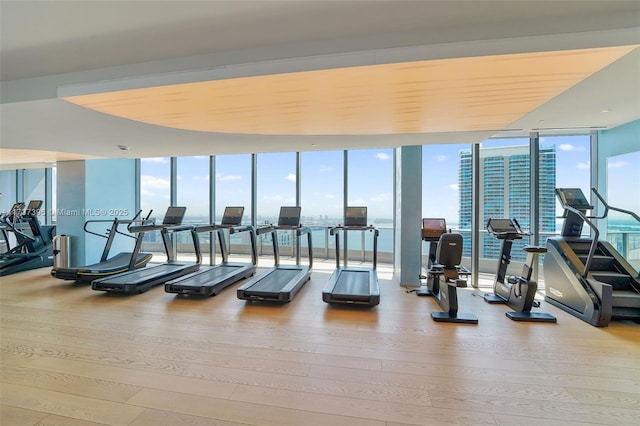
(12,157)
(462,94)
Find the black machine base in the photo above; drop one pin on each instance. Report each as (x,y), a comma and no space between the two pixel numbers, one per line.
(531,317)
(493,298)
(423,291)
(457,318)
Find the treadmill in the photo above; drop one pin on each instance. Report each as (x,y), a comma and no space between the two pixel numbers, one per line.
(141,280)
(121,262)
(211,280)
(281,282)
(348,284)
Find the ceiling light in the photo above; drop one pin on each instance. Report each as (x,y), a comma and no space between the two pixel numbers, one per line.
(605,110)
(123,148)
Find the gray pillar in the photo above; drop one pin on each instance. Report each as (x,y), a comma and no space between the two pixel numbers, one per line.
(94,190)
(70,192)
(408,213)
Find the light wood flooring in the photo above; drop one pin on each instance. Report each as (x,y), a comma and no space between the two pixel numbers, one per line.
(73,356)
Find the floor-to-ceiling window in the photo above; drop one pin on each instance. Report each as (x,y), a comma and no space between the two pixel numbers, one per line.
(33,184)
(446,189)
(233,189)
(192,191)
(623,191)
(7,189)
(276,187)
(155,197)
(505,176)
(322,196)
(572,170)
(370,184)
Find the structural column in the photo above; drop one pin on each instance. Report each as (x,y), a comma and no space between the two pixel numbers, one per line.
(94,190)
(408,213)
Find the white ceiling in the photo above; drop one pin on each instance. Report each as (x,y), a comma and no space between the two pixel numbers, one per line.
(49,45)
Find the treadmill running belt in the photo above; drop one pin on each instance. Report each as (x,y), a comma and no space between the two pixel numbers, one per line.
(208,277)
(353,284)
(144,274)
(273,282)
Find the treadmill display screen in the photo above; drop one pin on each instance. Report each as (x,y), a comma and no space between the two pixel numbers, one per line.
(433,228)
(573,197)
(174,215)
(355,216)
(232,216)
(289,216)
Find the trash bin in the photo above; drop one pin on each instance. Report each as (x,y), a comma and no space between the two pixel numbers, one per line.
(61,251)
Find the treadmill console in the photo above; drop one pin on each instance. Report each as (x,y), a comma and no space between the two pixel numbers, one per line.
(433,228)
(232,216)
(355,216)
(174,215)
(289,216)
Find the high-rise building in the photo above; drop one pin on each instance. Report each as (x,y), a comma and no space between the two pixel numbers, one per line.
(505,193)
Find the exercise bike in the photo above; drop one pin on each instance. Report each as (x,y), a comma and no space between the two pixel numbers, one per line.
(518,292)
(445,272)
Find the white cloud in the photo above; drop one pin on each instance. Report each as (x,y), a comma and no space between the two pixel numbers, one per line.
(569,147)
(382,156)
(583,165)
(617,164)
(380,197)
(454,186)
(161,160)
(290,177)
(330,196)
(325,169)
(222,177)
(276,197)
(441,157)
(152,182)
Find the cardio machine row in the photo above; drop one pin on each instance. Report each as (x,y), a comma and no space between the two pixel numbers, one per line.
(127,272)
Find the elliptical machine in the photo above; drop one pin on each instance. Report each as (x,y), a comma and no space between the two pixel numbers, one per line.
(518,292)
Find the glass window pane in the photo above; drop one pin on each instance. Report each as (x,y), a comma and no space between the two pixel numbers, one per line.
(276,187)
(370,184)
(233,188)
(572,170)
(233,184)
(34,185)
(322,187)
(505,185)
(192,182)
(446,190)
(623,191)
(276,182)
(155,194)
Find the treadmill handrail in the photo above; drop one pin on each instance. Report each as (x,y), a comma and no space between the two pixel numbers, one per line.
(160,227)
(233,229)
(371,228)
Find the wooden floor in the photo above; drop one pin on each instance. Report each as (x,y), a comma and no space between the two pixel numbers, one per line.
(73,356)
